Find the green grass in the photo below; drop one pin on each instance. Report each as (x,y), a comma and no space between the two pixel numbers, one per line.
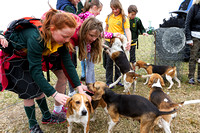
(13,118)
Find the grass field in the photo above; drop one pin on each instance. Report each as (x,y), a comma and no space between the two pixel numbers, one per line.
(13,119)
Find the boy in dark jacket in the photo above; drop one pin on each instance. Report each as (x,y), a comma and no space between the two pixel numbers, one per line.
(192,33)
(136,28)
(67,5)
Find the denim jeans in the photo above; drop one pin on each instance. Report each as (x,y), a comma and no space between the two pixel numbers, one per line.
(90,74)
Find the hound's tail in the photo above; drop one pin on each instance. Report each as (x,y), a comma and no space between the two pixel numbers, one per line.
(146,76)
(178,105)
(190,102)
(114,83)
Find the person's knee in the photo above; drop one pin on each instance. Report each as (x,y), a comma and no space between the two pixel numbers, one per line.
(61,76)
(62,79)
(40,97)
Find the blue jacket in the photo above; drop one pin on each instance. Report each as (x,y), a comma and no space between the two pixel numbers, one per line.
(61,4)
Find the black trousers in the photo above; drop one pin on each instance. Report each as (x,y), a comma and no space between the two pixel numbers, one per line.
(109,70)
(132,54)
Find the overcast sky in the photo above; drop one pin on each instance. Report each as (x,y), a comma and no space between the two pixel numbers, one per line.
(153,11)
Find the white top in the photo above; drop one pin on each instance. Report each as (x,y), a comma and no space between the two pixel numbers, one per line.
(195,34)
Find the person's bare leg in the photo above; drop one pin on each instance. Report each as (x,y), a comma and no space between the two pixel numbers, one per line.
(61,83)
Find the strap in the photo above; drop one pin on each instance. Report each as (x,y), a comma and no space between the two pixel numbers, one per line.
(123,21)
(48,75)
(108,19)
(47,66)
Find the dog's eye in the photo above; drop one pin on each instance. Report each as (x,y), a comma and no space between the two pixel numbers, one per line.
(77,102)
(87,103)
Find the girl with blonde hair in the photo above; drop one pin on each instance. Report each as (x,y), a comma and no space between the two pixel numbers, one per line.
(116,21)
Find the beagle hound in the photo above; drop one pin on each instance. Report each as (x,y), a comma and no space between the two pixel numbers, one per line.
(95,103)
(134,106)
(163,101)
(168,71)
(120,57)
(79,109)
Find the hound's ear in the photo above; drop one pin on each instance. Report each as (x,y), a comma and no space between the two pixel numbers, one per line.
(90,86)
(69,106)
(97,86)
(112,41)
(68,102)
(136,63)
(90,107)
(150,83)
(121,39)
(100,87)
(96,97)
(162,82)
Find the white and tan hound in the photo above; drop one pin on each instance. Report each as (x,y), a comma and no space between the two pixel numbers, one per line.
(79,110)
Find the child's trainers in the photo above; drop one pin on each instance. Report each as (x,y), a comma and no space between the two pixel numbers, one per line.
(191,81)
(53,120)
(110,87)
(64,109)
(62,113)
(36,129)
(70,94)
(82,78)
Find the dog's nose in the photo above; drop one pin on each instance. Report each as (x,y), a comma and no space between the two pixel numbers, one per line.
(84,112)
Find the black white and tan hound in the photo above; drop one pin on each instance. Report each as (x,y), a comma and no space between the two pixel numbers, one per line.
(119,55)
(169,71)
(133,106)
(163,102)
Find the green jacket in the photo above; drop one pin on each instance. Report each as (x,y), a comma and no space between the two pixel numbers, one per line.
(80,7)
(30,39)
(136,28)
(70,9)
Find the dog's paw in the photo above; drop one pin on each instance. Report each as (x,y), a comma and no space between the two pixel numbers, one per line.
(198,60)
(169,88)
